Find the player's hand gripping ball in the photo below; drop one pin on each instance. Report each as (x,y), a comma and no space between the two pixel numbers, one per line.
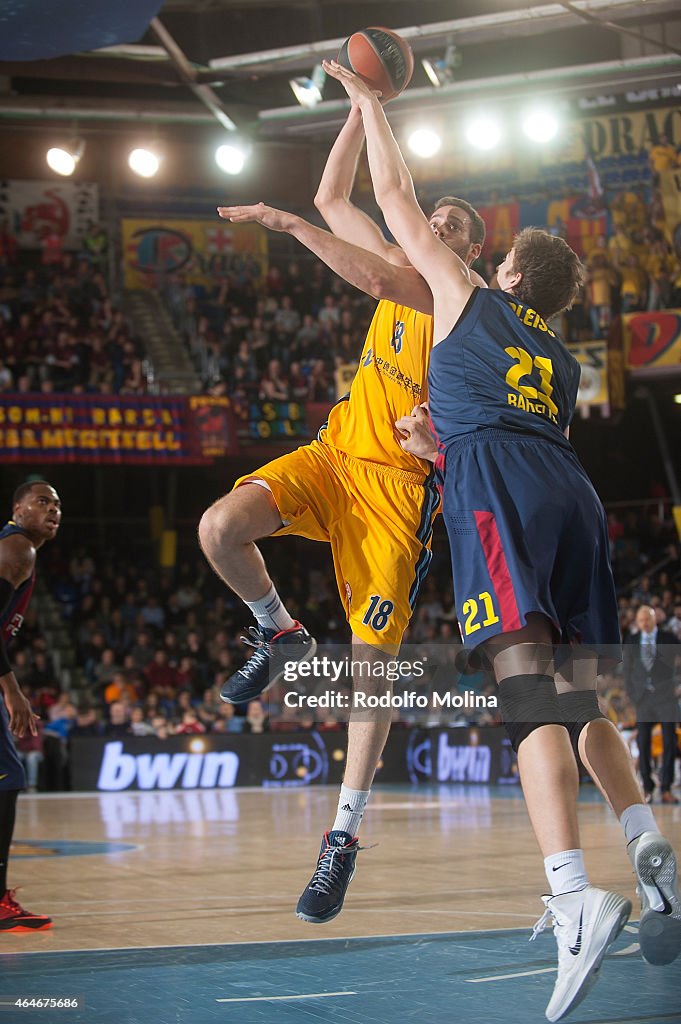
(381,58)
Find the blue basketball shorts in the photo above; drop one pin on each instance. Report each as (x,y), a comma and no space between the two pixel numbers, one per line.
(527,533)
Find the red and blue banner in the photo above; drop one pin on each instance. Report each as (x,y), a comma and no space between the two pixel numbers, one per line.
(580,220)
(132,430)
(652,339)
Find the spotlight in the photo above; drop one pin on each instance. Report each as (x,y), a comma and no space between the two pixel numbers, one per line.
(308,91)
(230,158)
(64,160)
(483,133)
(144,162)
(540,125)
(440,70)
(424,142)
(677,399)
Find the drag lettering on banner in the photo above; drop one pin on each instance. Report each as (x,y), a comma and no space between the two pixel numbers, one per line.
(34,210)
(90,428)
(201,251)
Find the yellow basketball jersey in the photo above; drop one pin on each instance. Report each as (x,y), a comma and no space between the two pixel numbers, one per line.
(390,380)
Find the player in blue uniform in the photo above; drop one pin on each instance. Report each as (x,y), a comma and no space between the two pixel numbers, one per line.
(36,514)
(530,556)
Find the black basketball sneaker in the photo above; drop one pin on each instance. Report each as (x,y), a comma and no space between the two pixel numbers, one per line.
(265,667)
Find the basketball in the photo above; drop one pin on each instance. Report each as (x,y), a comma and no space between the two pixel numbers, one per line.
(381,58)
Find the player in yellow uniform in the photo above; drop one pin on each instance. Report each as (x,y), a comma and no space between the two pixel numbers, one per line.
(354,487)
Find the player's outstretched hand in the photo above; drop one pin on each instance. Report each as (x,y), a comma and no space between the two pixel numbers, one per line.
(21,716)
(275,220)
(356,88)
(414,435)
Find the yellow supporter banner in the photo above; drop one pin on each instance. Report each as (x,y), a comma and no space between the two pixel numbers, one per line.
(592,356)
(202,252)
(670,189)
(652,339)
(344,376)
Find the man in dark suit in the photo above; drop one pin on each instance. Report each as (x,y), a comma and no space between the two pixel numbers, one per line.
(649,660)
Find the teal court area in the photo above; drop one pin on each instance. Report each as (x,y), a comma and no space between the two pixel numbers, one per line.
(485,977)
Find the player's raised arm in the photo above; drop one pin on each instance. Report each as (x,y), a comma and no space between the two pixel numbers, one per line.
(445,273)
(365,270)
(335,188)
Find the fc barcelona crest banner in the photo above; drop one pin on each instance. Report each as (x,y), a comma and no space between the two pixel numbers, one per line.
(201,251)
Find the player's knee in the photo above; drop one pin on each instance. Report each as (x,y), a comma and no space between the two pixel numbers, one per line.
(578,708)
(527,703)
(221,526)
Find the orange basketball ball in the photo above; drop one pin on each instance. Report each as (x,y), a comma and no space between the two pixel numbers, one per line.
(381,58)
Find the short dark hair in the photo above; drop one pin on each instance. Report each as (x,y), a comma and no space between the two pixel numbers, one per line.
(26,488)
(552,273)
(477,223)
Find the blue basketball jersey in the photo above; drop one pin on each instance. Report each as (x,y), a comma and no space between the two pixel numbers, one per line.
(12,775)
(12,616)
(502,367)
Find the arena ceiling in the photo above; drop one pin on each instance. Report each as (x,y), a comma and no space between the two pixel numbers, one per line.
(233,59)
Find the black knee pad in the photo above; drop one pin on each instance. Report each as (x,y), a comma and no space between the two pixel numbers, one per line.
(577,707)
(527,703)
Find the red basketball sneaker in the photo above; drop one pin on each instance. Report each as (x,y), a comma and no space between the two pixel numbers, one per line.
(13,917)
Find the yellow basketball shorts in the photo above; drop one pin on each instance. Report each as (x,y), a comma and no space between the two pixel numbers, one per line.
(378,521)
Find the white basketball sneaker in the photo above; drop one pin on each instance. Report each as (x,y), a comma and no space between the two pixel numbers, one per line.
(659,931)
(585,923)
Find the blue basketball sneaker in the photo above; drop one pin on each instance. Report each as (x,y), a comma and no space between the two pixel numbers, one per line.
(265,667)
(323,896)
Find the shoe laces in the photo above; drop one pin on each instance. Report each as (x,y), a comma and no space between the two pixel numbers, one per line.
(256,639)
(329,867)
(261,648)
(541,924)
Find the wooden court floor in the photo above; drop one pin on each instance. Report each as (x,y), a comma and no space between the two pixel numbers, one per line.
(200,866)
(178,908)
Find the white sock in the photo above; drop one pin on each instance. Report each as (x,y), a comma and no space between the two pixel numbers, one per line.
(565,871)
(351,804)
(270,612)
(636,820)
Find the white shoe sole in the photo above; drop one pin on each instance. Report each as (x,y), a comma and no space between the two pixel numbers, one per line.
(659,931)
(611,918)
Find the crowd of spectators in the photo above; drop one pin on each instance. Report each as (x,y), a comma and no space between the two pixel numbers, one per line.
(634,270)
(280,337)
(155,646)
(277,339)
(60,331)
